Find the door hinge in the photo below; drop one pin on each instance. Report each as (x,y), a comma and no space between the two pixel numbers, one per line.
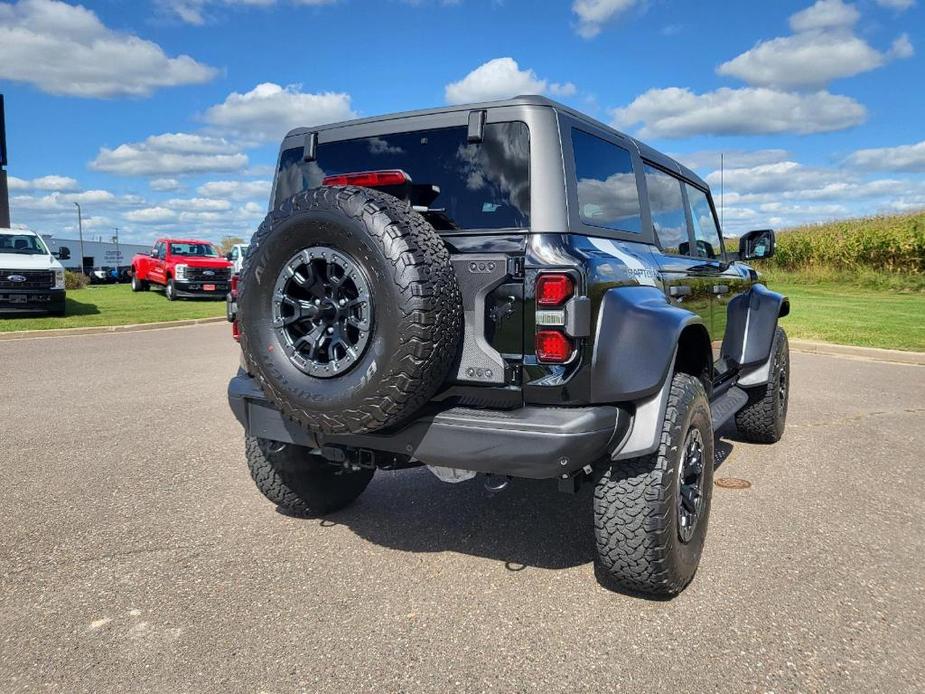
(515,268)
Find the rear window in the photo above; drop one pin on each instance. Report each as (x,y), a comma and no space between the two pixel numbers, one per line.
(481,186)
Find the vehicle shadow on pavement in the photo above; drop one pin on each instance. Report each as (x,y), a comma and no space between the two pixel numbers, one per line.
(529,524)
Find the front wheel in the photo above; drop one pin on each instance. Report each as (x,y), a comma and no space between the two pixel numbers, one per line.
(764,417)
(302,483)
(651,513)
(170,291)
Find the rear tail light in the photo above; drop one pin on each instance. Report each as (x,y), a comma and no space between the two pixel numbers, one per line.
(554,289)
(368,179)
(553,347)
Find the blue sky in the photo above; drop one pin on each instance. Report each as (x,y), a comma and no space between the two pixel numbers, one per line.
(164,116)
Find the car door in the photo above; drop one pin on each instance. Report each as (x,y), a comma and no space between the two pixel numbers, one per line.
(158,273)
(726,281)
(680,267)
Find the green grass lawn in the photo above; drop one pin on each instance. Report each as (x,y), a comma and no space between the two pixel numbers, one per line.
(115,304)
(826,312)
(844,315)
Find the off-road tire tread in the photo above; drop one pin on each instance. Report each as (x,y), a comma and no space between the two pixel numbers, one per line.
(301,483)
(634,504)
(757,421)
(432,315)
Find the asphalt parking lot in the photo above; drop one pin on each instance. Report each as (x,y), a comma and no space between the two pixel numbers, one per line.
(136,554)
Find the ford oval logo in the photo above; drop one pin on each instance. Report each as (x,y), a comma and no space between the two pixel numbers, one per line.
(16,278)
(208,273)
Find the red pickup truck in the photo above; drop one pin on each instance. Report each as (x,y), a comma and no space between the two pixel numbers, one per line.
(184,268)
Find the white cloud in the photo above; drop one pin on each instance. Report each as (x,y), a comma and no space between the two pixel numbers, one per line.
(803,60)
(775,178)
(824,15)
(823,48)
(901,158)
(269,111)
(164,184)
(502,78)
(170,153)
(899,5)
(52,182)
(197,12)
(732,158)
(235,190)
(679,112)
(902,47)
(151,215)
(198,204)
(65,49)
(593,14)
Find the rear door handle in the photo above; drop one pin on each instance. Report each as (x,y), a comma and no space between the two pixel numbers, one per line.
(720,288)
(679,290)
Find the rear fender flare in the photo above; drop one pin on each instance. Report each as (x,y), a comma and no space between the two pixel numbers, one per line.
(636,339)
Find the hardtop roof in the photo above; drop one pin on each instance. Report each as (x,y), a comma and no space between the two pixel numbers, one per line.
(645,150)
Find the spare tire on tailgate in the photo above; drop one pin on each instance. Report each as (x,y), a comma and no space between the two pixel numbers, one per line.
(349,310)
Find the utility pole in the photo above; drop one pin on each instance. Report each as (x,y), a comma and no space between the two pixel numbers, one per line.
(4,190)
(118,257)
(80,230)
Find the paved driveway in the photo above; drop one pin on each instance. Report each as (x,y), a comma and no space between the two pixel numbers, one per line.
(135,553)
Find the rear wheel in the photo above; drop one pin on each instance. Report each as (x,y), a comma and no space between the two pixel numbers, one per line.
(170,291)
(300,482)
(651,513)
(138,285)
(764,417)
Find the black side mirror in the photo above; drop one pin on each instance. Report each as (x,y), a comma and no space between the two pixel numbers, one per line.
(756,245)
(64,253)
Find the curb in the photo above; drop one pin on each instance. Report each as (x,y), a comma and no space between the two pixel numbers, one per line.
(894,356)
(96,330)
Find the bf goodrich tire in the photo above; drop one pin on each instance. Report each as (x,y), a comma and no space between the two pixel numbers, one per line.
(764,417)
(651,513)
(299,482)
(349,310)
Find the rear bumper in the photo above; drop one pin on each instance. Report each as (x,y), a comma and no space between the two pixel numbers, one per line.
(31,300)
(533,442)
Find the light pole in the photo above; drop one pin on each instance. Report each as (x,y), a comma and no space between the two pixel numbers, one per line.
(80,230)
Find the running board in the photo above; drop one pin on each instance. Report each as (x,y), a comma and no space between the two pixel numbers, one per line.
(726,405)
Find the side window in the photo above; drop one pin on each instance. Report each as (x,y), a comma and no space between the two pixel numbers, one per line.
(706,233)
(666,202)
(607,193)
(162,250)
(234,253)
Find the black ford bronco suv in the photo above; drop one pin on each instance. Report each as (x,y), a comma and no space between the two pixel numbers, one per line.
(508,288)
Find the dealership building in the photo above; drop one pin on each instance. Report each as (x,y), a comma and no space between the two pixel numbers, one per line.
(97,255)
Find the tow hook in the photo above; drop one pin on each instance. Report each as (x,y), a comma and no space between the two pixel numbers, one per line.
(496,483)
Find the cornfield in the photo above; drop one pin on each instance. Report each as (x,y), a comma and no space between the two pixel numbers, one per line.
(888,244)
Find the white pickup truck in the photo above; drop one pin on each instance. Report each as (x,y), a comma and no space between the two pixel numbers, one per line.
(31,278)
